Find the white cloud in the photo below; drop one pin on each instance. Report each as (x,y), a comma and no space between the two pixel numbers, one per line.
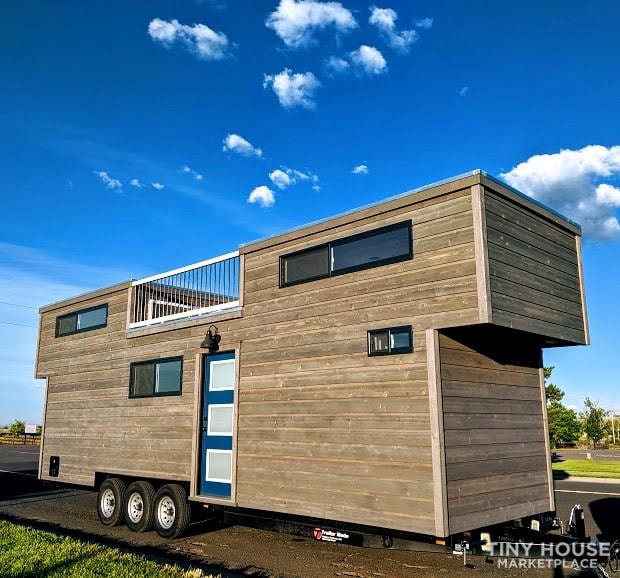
(135,183)
(293,89)
(425,23)
(295,21)
(280,179)
(384,19)
(237,144)
(570,182)
(199,39)
(285,177)
(337,64)
(108,181)
(360,170)
(369,60)
(464,91)
(262,195)
(157,186)
(189,171)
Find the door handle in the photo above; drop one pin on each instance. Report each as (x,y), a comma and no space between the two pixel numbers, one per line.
(205,429)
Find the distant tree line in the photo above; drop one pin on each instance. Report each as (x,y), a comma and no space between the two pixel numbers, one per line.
(566,426)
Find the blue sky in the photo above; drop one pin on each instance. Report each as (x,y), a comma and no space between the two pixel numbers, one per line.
(343,104)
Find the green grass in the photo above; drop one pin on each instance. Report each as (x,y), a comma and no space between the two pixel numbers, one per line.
(25,552)
(589,468)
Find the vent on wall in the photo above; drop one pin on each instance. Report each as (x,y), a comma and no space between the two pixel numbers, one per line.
(54,466)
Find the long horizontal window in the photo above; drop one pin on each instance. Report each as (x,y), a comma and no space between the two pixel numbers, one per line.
(83,320)
(157,377)
(371,249)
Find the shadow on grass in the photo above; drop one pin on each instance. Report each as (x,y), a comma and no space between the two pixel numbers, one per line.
(159,554)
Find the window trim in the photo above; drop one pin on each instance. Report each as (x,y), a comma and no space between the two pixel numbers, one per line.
(78,312)
(223,362)
(216,406)
(389,330)
(218,480)
(160,393)
(342,241)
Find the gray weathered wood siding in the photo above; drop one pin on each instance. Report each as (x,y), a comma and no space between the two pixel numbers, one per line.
(534,269)
(90,422)
(496,453)
(325,430)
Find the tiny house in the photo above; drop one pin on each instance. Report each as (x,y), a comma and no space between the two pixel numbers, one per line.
(381,368)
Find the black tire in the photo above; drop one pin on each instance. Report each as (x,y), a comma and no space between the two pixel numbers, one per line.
(138,506)
(171,511)
(110,501)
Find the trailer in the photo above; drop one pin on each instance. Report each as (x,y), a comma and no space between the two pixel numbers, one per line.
(379,369)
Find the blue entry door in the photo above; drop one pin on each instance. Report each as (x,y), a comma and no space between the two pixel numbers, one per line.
(218,416)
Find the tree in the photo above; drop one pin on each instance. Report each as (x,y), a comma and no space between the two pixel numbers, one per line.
(564,426)
(593,417)
(17,428)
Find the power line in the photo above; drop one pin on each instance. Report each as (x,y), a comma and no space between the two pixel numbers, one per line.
(17,305)
(17,324)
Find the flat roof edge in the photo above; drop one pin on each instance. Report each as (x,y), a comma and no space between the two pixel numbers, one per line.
(536,202)
(367,206)
(412,192)
(84,296)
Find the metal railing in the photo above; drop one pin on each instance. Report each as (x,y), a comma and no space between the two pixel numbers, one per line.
(198,289)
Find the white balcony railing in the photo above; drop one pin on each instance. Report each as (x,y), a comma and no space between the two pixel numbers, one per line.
(191,291)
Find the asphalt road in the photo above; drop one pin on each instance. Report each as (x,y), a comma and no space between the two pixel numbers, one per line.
(243,551)
(568,454)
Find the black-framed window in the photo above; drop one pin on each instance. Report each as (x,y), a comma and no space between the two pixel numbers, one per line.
(82,320)
(157,377)
(381,246)
(390,341)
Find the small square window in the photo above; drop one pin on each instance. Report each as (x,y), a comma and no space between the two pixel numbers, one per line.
(219,466)
(390,341)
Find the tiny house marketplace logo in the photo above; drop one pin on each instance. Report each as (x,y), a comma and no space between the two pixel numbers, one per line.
(568,556)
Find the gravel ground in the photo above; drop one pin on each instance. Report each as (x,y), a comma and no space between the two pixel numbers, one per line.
(231,551)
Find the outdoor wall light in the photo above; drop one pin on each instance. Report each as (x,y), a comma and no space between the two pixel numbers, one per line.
(212,340)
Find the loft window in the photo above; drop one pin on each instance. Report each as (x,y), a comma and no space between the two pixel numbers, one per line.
(391,341)
(156,378)
(83,320)
(382,246)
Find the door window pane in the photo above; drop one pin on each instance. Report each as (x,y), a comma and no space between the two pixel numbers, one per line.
(307,265)
(92,318)
(168,376)
(219,466)
(220,421)
(371,249)
(222,375)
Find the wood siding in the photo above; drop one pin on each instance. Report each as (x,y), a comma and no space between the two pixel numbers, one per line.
(534,268)
(496,453)
(91,423)
(325,430)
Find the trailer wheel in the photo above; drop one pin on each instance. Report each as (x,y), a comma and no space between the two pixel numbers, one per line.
(171,511)
(138,508)
(110,501)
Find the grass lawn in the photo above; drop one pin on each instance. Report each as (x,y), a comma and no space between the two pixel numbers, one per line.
(589,468)
(28,552)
